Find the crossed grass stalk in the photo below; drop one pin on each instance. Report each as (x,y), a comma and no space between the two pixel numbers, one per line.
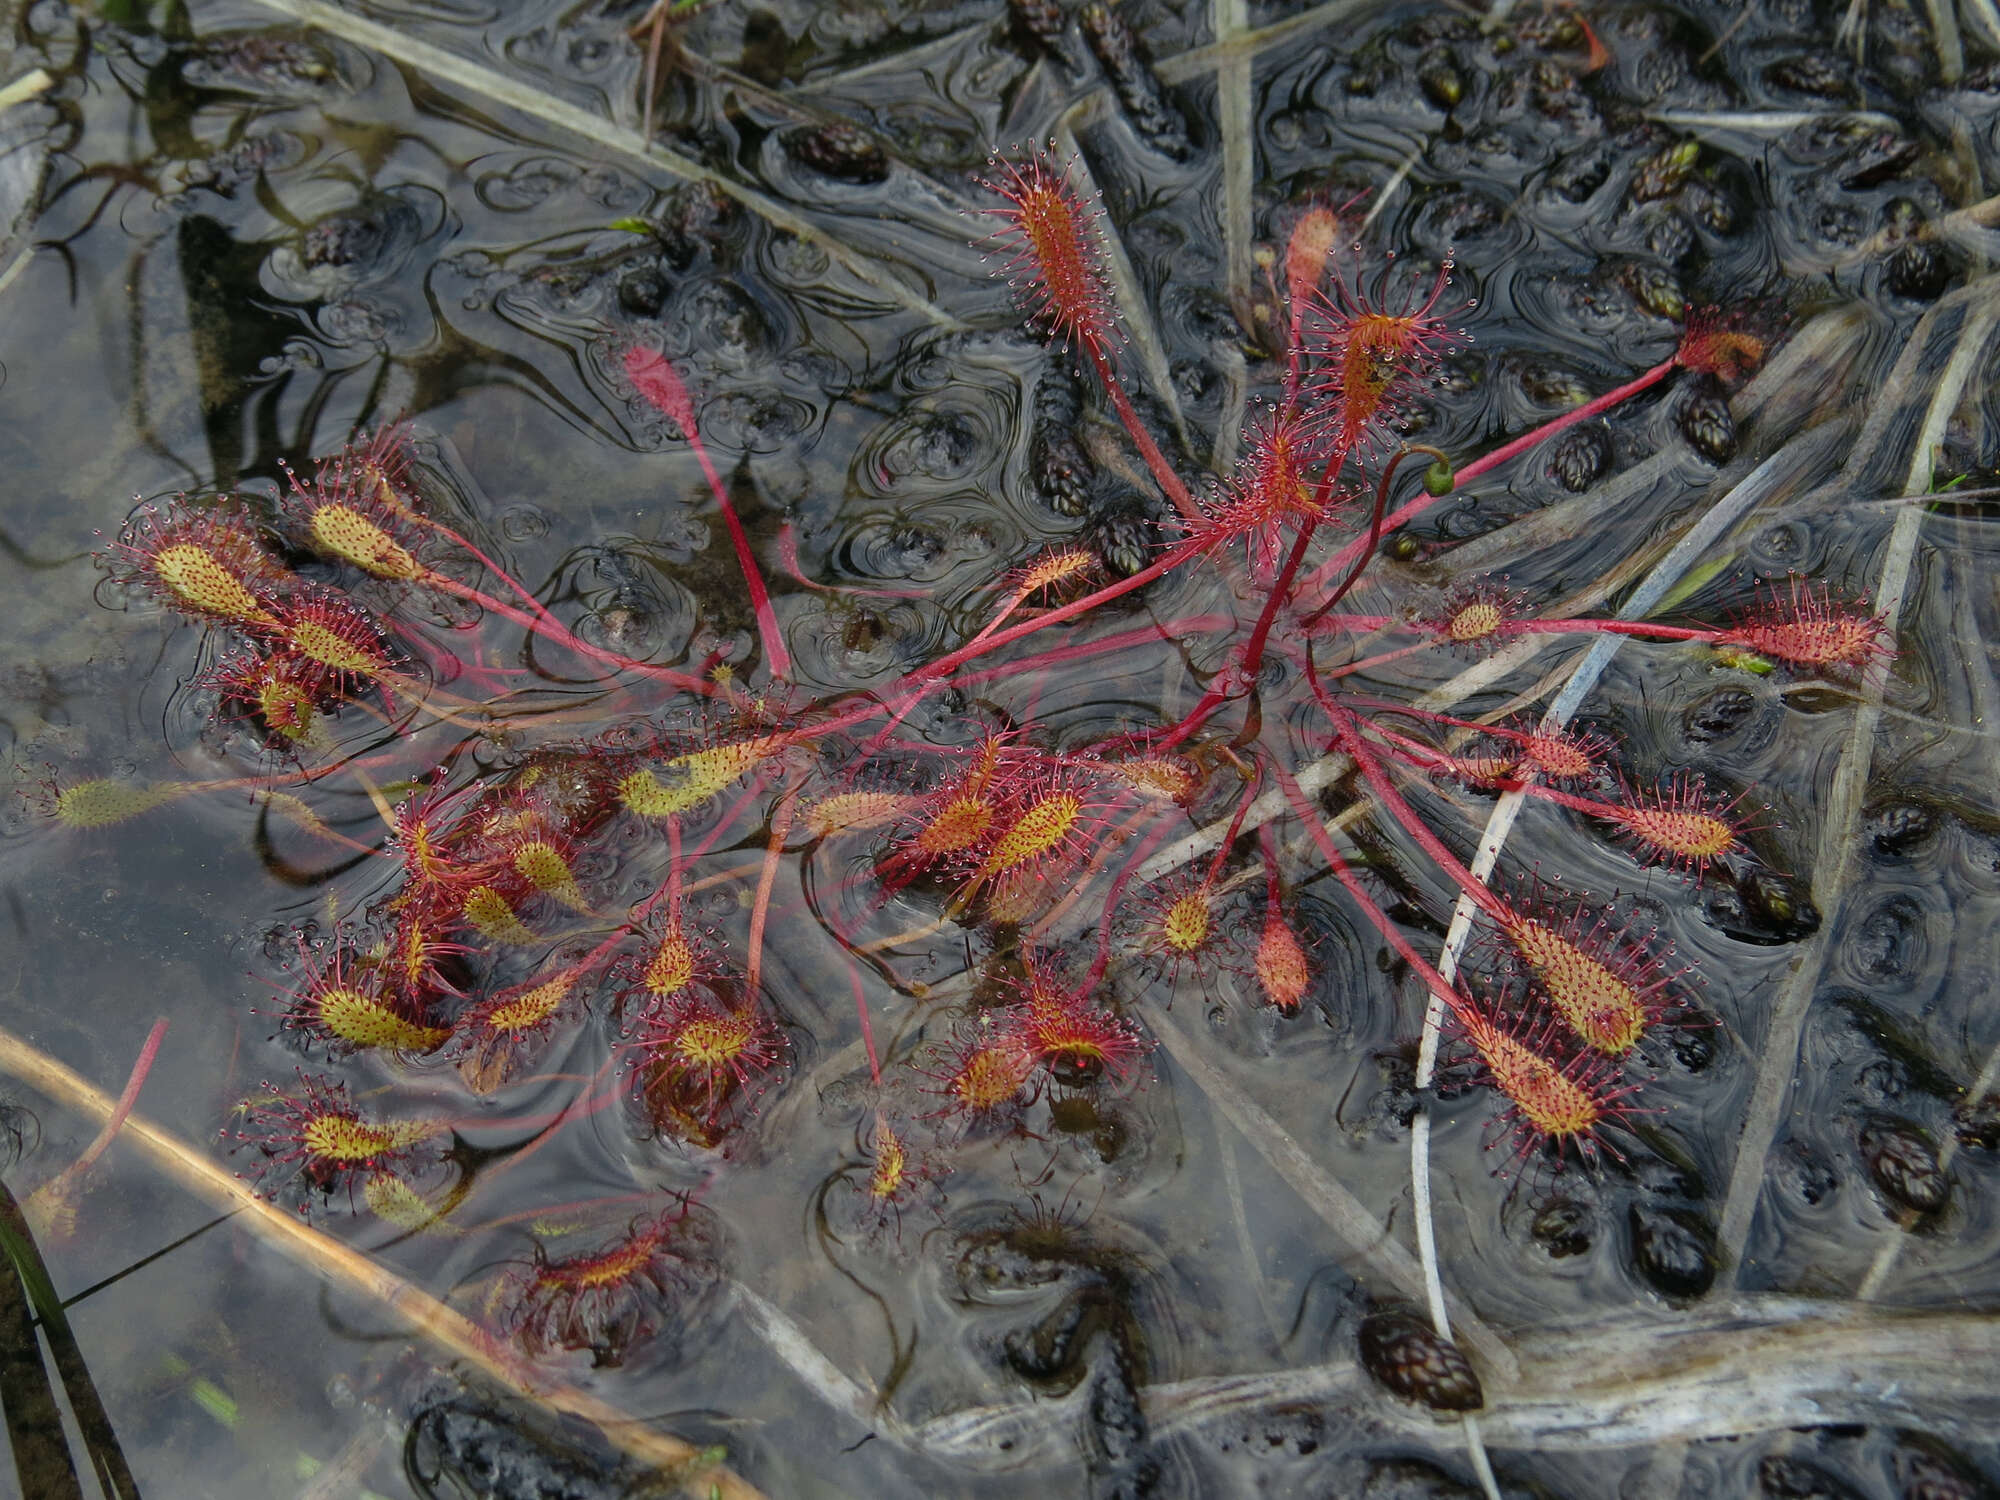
(1018,835)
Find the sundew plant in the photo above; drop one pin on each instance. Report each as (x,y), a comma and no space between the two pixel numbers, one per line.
(938,950)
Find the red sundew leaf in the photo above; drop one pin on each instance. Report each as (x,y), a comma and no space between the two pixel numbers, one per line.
(1055,251)
(1284,973)
(315,1141)
(1061,1027)
(1566,755)
(208,564)
(343,648)
(610,1300)
(1803,626)
(1475,615)
(1680,823)
(1311,241)
(1603,983)
(281,692)
(1369,358)
(1275,487)
(1551,1098)
(1714,342)
(654,377)
(701,1044)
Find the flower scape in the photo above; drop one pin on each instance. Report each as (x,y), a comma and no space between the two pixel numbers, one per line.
(869,849)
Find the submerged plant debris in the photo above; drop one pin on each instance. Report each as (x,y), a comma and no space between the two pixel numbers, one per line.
(1170,750)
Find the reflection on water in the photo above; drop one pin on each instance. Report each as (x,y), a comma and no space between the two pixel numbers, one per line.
(228,243)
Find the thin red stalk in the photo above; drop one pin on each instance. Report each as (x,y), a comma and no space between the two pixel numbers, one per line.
(669,890)
(1209,702)
(1140,855)
(127,1099)
(1379,919)
(729,815)
(601,952)
(1349,736)
(1373,536)
(1569,419)
(1170,630)
(867,1026)
(1365,623)
(1381,659)
(1643,628)
(1423,502)
(1607,811)
(1416,752)
(555,630)
(1519,736)
(464,544)
(1013,603)
(1229,838)
(1163,472)
(1253,650)
(760,909)
(1267,846)
(924,678)
(661,892)
(896,716)
(788,556)
(1165,563)
(1251,658)
(760,597)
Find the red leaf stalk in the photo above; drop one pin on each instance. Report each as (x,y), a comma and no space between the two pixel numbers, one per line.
(923,679)
(126,1100)
(760,911)
(1302,806)
(1333,567)
(656,380)
(1348,735)
(1056,265)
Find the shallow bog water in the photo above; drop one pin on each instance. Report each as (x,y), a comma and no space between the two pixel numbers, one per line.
(231,236)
